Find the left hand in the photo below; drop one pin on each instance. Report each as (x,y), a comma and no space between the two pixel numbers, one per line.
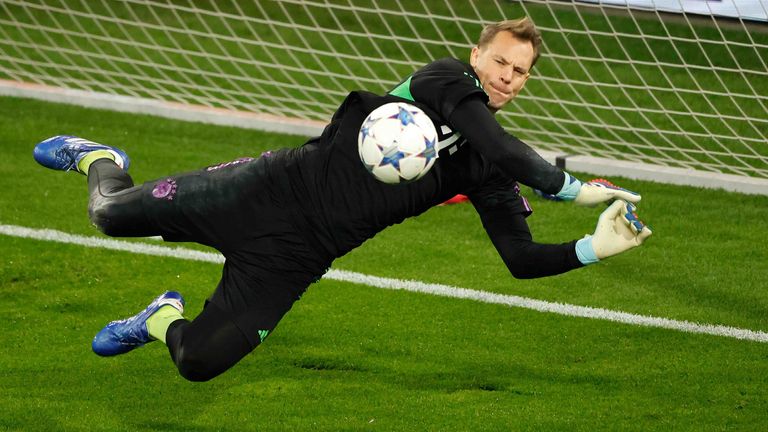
(597,191)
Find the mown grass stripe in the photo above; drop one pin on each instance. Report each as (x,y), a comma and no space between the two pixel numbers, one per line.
(406,285)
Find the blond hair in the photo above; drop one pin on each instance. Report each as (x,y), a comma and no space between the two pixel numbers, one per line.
(522,28)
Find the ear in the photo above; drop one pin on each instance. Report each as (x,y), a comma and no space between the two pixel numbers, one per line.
(473,56)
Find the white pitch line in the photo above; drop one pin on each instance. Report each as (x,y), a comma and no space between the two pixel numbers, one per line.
(406,285)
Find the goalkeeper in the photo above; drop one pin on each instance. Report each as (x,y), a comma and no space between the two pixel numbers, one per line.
(282,218)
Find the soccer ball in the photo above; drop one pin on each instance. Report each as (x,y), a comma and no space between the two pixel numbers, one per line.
(397,143)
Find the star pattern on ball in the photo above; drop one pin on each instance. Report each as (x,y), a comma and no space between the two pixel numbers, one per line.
(392,156)
(365,129)
(397,143)
(429,151)
(405,116)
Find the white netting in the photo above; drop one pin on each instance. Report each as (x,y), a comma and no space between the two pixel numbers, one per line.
(669,89)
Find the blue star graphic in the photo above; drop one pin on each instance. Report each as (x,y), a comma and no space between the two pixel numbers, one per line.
(405,116)
(392,157)
(429,152)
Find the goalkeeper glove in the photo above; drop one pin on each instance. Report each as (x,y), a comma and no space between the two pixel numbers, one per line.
(593,192)
(618,229)
(600,190)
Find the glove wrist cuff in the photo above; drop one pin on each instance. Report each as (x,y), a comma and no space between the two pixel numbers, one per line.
(585,251)
(570,189)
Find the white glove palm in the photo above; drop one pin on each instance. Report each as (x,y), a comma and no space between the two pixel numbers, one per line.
(618,230)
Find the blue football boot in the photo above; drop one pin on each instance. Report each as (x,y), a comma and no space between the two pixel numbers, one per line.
(119,337)
(63,152)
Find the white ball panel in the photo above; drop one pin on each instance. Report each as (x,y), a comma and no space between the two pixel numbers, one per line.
(386,173)
(426,126)
(386,131)
(411,140)
(370,152)
(412,167)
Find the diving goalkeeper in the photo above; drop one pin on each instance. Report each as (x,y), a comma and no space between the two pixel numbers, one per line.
(282,218)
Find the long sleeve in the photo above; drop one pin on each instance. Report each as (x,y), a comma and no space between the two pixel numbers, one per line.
(472,119)
(525,258)
(503,212)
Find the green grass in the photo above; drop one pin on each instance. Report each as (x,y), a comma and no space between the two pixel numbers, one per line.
(635,96)
(351,357)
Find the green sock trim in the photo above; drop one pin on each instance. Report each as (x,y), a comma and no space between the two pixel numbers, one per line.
(91,157)
(158,323)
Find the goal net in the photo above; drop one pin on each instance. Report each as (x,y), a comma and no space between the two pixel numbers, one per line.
(673,90)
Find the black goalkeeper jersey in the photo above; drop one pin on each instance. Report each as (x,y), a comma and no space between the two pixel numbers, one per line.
(338,204)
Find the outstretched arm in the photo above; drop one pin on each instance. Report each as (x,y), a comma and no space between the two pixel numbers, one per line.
(525,258)
(472,119)
(618,230)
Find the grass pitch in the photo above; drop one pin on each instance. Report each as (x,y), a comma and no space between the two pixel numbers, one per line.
(352,357)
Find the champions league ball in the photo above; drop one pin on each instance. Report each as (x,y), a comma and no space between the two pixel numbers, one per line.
(397,143)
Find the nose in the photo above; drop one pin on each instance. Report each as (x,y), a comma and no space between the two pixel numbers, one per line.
(506,75)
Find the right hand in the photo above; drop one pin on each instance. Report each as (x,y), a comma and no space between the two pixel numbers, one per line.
(618,230)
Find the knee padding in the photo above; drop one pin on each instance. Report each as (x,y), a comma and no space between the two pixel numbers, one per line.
(196,367)
(207,346)
(102,213)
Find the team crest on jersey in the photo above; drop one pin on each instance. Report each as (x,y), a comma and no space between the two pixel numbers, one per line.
(165,189)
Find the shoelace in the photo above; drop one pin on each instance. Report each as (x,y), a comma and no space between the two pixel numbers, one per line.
(66,155)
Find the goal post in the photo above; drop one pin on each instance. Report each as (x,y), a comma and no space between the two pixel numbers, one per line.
(644,92)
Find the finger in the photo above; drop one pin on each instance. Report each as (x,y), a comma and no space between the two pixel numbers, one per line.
(644,234)
(613,210)
(616,192)
(632,219)
(628,195)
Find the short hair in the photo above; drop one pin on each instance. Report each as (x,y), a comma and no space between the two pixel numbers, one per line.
(522,28)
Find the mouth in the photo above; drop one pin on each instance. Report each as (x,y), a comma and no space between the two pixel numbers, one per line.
(500,91)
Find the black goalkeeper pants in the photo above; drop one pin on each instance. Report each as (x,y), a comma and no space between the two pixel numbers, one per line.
(231,208)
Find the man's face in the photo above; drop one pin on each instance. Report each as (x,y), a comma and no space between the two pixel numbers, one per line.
(503,67)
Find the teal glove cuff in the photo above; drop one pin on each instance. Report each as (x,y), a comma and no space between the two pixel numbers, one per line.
(571,187)
(585,251)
